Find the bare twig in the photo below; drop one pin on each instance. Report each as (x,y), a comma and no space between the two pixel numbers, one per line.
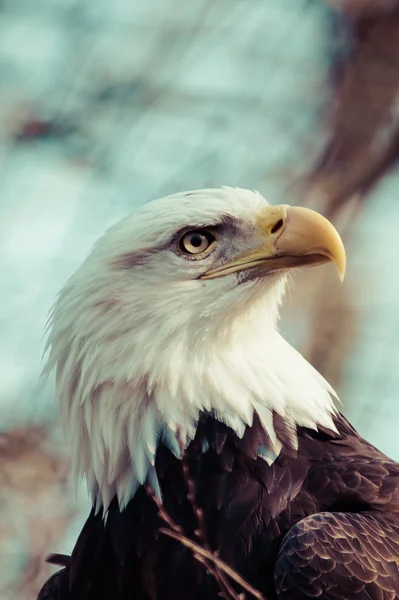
(226,589)
(217,567)
(200,552)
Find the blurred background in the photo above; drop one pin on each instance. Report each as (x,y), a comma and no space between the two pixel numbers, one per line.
(104,106)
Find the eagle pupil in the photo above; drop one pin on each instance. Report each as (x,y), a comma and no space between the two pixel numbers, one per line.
(196,241)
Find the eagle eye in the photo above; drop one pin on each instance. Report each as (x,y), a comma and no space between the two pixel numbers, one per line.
(196,242)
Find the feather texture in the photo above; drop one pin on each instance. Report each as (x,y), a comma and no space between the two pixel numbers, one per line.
(142,346)
(322,521)
(153,364)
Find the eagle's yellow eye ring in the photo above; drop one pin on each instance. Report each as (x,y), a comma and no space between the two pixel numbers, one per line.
(196,242)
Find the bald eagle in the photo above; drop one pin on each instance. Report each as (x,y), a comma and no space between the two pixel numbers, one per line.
(165,346)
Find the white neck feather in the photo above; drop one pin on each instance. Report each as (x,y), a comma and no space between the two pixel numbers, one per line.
(142,345)
(120,396)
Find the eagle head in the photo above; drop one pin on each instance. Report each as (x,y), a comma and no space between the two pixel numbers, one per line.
(173,315)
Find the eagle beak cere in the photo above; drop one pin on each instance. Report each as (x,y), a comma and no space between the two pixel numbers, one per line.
(287,237)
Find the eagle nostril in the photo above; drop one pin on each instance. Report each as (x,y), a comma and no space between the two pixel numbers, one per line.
(277,226)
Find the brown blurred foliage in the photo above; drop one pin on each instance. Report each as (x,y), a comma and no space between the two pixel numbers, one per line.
(362,145)
(363,119)
(35,506)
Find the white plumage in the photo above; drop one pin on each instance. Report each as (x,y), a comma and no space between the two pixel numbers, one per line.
(141,345)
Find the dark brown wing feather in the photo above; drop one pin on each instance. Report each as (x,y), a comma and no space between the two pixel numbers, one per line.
(55,587)
(339,556)
(249,508)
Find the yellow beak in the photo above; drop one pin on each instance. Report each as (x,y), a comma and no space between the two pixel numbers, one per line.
(287,237)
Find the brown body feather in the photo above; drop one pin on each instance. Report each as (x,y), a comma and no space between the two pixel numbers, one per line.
(321,521)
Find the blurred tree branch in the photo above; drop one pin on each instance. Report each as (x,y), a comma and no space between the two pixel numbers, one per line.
(363,142)
(365,8)
(362,146)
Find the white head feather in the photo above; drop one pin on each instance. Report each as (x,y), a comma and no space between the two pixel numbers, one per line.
(141,346)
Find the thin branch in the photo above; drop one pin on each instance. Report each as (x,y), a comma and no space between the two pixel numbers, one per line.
(227,590)
(217,567)
(198,551)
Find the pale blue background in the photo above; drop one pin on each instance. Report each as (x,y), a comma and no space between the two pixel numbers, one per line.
(155,97)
